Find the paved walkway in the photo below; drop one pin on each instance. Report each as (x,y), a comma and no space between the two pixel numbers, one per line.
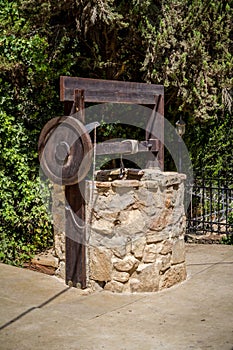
(39,312)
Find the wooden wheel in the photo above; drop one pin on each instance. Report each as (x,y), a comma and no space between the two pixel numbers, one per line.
(65,150)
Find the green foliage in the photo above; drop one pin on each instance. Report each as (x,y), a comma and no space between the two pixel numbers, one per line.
(229,238)
(24,217)
(24,75)
(211,153)
(190,53)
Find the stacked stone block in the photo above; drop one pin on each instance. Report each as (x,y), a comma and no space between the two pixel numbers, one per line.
(58,213)
(136,233)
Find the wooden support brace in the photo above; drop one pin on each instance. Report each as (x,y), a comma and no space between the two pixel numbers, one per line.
(75,236)
(155,130)
(112,91)
(125,147)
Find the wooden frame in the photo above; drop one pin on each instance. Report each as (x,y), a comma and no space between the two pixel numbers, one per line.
(111,91)
(74,92)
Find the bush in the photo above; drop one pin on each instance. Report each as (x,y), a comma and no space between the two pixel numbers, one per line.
(24,215)
(229,238)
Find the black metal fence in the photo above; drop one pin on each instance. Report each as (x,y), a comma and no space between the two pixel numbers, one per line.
(211,207)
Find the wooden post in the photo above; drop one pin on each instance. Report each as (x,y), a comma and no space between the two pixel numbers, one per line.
(75,234)
(160,116)
(75,238)
(155,130)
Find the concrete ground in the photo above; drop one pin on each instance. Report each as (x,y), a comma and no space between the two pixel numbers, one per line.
(40,312)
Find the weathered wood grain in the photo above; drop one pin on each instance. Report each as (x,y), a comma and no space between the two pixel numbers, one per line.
(111,91)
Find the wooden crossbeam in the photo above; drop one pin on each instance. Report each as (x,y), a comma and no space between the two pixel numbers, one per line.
(126,147)
(111,91)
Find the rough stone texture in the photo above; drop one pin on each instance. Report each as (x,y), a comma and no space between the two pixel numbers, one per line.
(59,245)
(130,221)
(136,233)
(172,276)
(134,285)
(100,264)
(148,278)
(166,247)
(164,263)
(127,264)
(151,184)
(104,226)
(103,184)
(155,237)
(61,270)
(150,253)
(138,247)
(45,260)
(58,211)
(178,252)
(120,276)
(121,251)
(161,220)
(128,183)
(114,286)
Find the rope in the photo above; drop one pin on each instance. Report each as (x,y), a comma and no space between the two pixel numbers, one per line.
(68,207)
(91,198)
(91,206)
(94,158)
(122,168)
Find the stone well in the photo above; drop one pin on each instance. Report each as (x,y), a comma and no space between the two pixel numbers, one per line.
(135,233)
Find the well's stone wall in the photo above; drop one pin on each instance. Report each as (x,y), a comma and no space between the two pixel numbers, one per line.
(58,212)
(135,235)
